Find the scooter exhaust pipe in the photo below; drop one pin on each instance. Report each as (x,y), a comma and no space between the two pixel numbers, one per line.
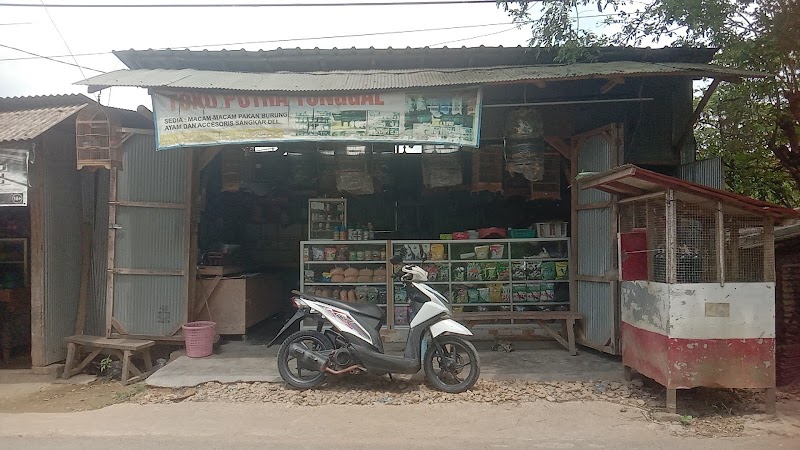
(308,359)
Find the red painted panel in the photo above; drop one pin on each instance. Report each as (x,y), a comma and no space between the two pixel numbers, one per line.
(686,363)
(633,247)
(729,363)
(646,352)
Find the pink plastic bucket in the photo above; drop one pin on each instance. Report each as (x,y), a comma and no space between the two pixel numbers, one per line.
(199,338)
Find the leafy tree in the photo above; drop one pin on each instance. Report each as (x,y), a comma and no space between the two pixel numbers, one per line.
(755,125)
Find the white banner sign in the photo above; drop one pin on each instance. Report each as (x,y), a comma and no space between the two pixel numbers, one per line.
(13,177)
(198,118)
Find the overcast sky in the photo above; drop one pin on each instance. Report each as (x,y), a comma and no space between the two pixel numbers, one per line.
(102,30)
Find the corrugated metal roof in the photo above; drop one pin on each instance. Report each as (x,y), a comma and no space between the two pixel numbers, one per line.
(29,123)
(630,181)
(398,79)
(42,101)
(316,59)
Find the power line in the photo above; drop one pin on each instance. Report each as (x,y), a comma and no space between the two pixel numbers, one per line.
(474,37)
(48,58)
(63,40)
(248,5)
(316,38)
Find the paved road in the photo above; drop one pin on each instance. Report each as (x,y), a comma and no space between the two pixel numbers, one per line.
(218,425)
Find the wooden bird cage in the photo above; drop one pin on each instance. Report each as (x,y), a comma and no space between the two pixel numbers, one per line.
(487,169)
(98,139)
(549,187)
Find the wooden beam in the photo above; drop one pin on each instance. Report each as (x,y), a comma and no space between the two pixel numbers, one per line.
(671,244)
(164,272)
(36,202)
(149,204)
(111,239)
(206,156)
(539,83)
(612,83)
(687,130)
(769,250)
(560,145)
(115,323)
(720,245)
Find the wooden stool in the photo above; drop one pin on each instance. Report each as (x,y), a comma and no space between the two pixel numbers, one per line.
(122,348)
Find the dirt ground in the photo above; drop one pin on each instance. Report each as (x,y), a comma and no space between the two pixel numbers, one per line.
(27,394)
(704,412)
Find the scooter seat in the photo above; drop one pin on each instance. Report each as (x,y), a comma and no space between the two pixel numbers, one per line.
(364,309)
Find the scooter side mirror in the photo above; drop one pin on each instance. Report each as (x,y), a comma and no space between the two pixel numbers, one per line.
(396,260)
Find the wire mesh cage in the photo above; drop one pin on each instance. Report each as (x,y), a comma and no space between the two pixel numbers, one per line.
(487,169)
(97,139)
(690,241)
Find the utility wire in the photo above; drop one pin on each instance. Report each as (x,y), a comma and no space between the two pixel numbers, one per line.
(474,37)
(248,5)
(49,58)
(380,33)
(63,40)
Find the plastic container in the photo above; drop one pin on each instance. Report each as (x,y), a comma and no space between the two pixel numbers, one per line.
(496,251)
(446,236)
(460,235)
(551,229)
(482,252)
(199,338)
(492,233)
(473,234)
(522,233)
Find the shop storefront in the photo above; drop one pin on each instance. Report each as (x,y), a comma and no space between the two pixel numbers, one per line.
(265,181)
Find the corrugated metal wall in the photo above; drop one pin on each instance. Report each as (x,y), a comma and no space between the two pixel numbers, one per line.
(708,172)
(96,311)
(598,317)
(594,229)
(596,248)
(62,242)
(151,239)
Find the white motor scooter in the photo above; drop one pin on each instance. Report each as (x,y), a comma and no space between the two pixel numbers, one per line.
(352,343)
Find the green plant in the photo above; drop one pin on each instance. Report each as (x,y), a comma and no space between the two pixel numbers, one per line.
(105,364)
(686,420)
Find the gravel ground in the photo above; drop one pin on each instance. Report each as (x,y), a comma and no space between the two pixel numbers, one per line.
(714,412)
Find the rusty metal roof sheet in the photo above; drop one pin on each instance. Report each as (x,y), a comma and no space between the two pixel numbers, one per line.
(42,101)
(27,124)
(316,59)
(631,181)
(400,79)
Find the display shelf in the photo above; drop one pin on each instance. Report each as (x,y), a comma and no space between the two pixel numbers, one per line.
(510,254)
(537,281)
(371,292)
(344,263)
(325,211)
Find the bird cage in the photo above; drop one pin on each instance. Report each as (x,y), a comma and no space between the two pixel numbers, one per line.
(487,169)
(682,240)
(98,139)
(549,187)
(353,169)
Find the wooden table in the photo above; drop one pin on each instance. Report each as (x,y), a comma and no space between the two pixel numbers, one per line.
(539,317)
(122,348)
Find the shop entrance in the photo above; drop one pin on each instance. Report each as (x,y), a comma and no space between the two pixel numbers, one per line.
(257,206)
(15,291)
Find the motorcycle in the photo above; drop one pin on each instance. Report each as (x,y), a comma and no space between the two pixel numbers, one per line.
(347,340)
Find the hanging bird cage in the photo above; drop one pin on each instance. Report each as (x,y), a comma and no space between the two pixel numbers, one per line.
(98,139)
(487,169)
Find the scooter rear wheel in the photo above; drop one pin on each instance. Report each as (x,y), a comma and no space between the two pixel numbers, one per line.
(457,370)
(295,376)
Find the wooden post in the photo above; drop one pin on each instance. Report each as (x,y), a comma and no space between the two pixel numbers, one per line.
(36,200)
(112,237)
(769,250)
(720,245)
(672,246)
(672,400)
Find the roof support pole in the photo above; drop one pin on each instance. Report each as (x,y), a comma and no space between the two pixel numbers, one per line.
(687,131)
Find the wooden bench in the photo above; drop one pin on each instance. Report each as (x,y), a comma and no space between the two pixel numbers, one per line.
(122,348)
(539,317)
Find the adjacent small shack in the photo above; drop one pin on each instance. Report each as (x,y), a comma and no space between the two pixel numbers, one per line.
(698,282)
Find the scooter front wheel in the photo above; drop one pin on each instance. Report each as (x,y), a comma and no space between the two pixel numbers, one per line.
(291,369)
(455,371)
